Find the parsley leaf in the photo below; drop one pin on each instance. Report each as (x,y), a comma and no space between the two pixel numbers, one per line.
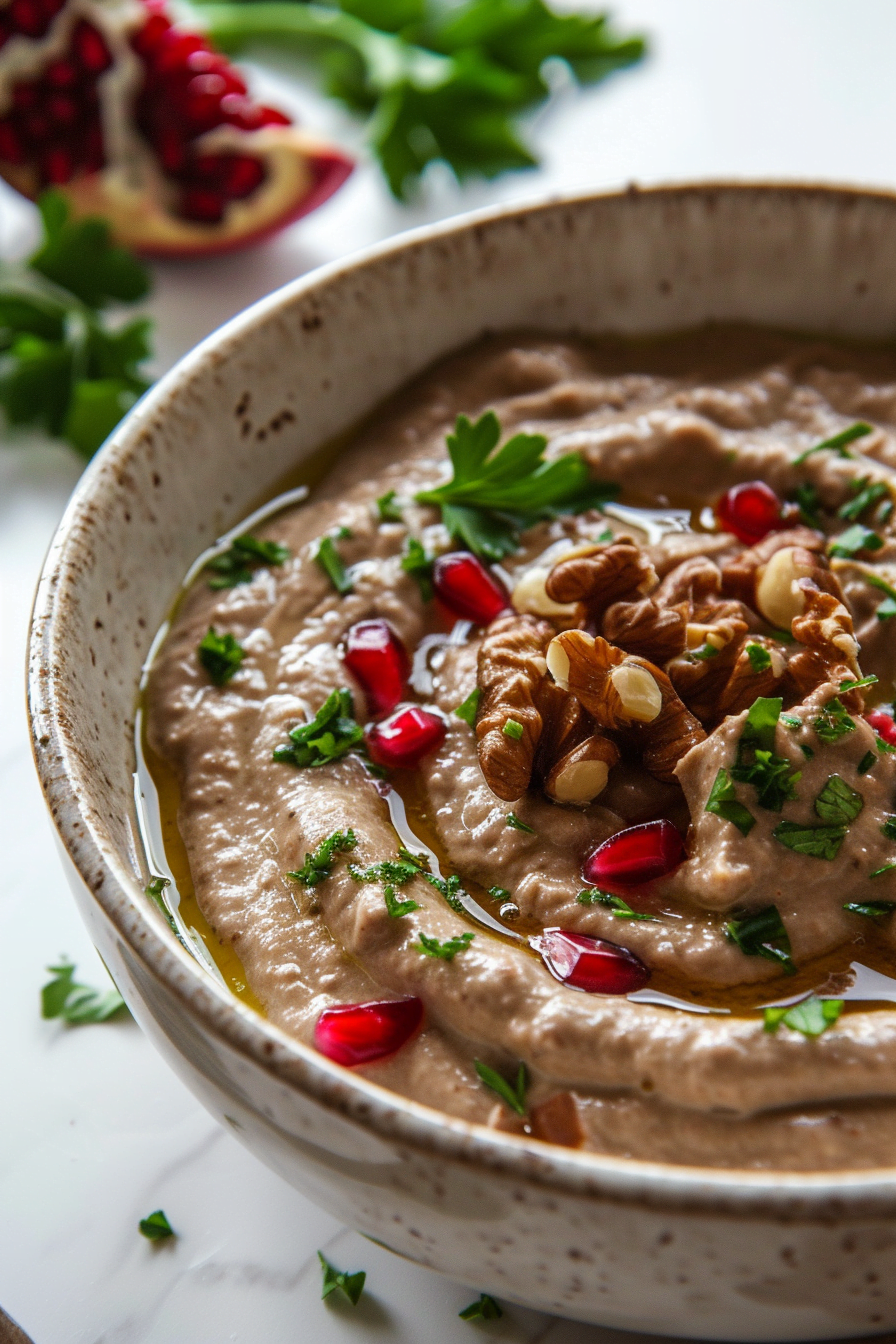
(220,655)
(396,871)
(517,825)
(317,866)
(762,935)
(394,906)
(388,510)
(816,842)
(887,868)
(871,909)
(868,761)
(615,904)
(513,729)
(331,734)
(833,722)
(514,1096)
(78,1005)
(854,684)
(485,1309)
(156,1227)
(469,708)
(330,562)
(79,255)
(837,443)
(723,802)
(703,653)
(889,828)
(350,1285)
(806,498)
(447,951)
(450,888)
(837,803)
(855,539)
(759,656)
(417,562)
(865,496)
(811,1017)
(499,893)
(235,566)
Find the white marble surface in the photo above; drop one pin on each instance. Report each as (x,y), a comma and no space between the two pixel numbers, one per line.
(95,1132)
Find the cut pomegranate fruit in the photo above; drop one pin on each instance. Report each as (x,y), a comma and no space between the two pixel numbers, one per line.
(591,964)
(143,123)
(751,511)
(402,741)
(883,724)
(467,588)
(638,854)
(378,658)
(360,1033)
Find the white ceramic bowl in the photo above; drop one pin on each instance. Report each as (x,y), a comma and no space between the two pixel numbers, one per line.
(716,1254)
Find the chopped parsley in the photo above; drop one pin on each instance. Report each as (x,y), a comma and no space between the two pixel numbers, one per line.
(513,820)
(837,803)
(78,1005)
(396,871)
(759,656)
(807,751)
(886,748)
(449,887)
(515,1096)
(447,951)
(387,509)
(485,1309)
(762,935)
(868,761)
(889,828)
(394,906)
(864,496)
(811,1017)
(493,495)
(220,655)
(499,893)
(806,498)
(887,609)
(513,729)
(236,565)
(855,539)
(837,443)
(816,842)
(871,909)
(156,1227)
(331,734)
(350,1285)
(833,722)
(418,860)
(330,562)
(722,801)
(887,868)
(704,652)
(317,866)
(469,708)
(852,684)
(792,721)
(417,562)
(615,904)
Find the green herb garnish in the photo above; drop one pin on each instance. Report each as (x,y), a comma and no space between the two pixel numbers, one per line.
(469,708)
(762,935)
(704,652)
(317,866)
(236,565)
(493,495)
(833,722)
(615,904)
(220,655)
(417,562)
(807,751)
(792,721)
(450,888)
(887,868)
(499,893)
(806,498)
(331,734)
(722,801)
(514,821)
(394,906)
(889,828)
(387,509)
(837,443)
(447,951)
(887,608)
(865,496)
(853,684)
(855,539)
(513,729)
(486,1309)
(396,871)
(330,562)
(811,1017)
(816,842)
(418,860)
(61,367)
(156,1227)
(837,803)
(514,1096)
(868,761)
(78,1005)
(350,1285)
(871,909)
(759,656)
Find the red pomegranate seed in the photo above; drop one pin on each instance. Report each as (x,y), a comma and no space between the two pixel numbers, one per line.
(90,48)
(27,18)
(591,964)
(638,854)
(61,74)
(202,101)
(244,175)
(883,724)
(151,35)
(359,1033)
(271,117)
(201,205)
(240,111)
(57,166)
(171,149)
(403,740)
(378,658)
(751,511)
(171,54)
(464,584)
(62,109)
(11,150)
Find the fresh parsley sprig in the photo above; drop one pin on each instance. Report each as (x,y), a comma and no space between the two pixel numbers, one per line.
(447,951)
(331,734)
(319,865)
(78,1005)
(514,1095)
(615,904)
(484,1309)
(837,443)
(772,776)
(722,801)
(337,1280)
(396,908)
(220,655)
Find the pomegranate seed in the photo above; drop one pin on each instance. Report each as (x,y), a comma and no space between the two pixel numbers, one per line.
(464,584)
(244,175)
(591,964)
(205,207)
(173,50)
(202,101)
(90,48)
(638,854)
(24,97)
(36,128)
(271,117)
(240,111)
(62,109)
(359,1033)
(151,35)
(61,74)
(751,511)
(883,724)
(170,147)
(11,150)
(204,62)
(57,166)
(407,737)
(27,18)
(378,658)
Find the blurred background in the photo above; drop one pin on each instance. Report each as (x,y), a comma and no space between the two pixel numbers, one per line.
(95,1132)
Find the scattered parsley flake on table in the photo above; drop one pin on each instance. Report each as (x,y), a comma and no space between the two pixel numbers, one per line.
(156,1227)
(78,1005)
(350,1285)
(515,1095)
(485,1309)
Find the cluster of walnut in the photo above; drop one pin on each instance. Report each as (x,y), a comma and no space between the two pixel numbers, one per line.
(654,663)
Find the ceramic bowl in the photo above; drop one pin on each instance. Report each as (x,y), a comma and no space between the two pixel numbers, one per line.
(671,1250)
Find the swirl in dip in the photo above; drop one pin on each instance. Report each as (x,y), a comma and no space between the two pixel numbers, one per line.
(528,797)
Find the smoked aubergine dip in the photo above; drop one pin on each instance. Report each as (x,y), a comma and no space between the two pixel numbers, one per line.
(543,768)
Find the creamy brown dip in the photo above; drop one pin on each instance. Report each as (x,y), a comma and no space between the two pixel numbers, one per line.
(675,425)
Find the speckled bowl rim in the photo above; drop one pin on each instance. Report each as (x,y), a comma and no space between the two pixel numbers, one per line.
(393,1118)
